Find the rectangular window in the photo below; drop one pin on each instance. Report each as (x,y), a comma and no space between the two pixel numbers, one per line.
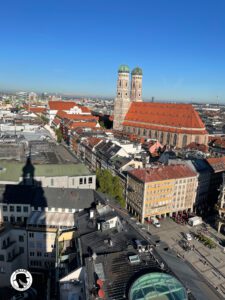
(90,180)
(21,249)
(31,235)
(5,219)
(81,180)
(19,219)
(5,208)
(2,258)
(25,209)
(18,208)
(21,238)
(85,180)
(39,253)
(31,253)
(11,208)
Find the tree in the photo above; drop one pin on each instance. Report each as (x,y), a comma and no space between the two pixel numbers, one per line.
(44,119)
(58,135)
(111,185)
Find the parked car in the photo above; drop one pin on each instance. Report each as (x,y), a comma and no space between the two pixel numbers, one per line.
(188,237)
(157,224)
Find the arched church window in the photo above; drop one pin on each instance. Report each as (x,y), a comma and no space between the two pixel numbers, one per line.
(175,139)
(168,138)
(161,138)
(184,141)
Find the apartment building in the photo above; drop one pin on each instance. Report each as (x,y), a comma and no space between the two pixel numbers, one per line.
(64,175)
(161,191)
(13,251)
(37,227)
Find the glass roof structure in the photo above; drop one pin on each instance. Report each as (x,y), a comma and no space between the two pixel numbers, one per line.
(157,286)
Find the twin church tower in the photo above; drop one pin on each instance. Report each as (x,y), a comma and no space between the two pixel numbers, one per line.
(126,93)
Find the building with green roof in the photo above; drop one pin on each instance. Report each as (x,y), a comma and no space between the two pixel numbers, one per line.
(71,175)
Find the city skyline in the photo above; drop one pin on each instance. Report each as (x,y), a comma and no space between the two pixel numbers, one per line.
(76,48)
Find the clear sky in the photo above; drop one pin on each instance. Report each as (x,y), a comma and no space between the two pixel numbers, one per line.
(76,46)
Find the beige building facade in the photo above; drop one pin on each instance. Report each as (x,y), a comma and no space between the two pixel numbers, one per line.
(161,191)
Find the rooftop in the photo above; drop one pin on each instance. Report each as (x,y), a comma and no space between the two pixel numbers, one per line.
(162,173)
(137,71)
(47,197)
(174,115)
(123,69)
(217,163)
(56,219)
(157,285)
(61,105)
(13,170)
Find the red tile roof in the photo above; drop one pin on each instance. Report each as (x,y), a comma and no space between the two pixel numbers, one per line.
(163,114)
(61,105)
(163,173)
(196,146)
(218,142)
(74,125)
(56,121)
(84,109)
(35,109)
(217,163)
(93,141)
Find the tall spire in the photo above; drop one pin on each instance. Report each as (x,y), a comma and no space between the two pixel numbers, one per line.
(122,101)
(136,85)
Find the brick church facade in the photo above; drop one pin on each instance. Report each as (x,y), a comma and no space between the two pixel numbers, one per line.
(171,124)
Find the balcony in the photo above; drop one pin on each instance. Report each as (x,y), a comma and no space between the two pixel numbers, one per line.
(10,259)
(7,245)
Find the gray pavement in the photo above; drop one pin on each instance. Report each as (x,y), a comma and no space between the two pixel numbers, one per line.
(210,263)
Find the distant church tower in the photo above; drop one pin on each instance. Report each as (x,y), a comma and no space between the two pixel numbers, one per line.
(136,85)
(122,100)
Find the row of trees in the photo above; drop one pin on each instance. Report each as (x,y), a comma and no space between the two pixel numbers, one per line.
(59,136)
(111,185)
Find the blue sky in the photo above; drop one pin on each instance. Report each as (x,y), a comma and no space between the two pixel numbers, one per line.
(76,46)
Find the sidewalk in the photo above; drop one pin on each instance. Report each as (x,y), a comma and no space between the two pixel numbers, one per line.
(51,131)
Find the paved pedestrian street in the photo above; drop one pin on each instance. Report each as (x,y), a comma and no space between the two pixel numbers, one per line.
(209,262)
